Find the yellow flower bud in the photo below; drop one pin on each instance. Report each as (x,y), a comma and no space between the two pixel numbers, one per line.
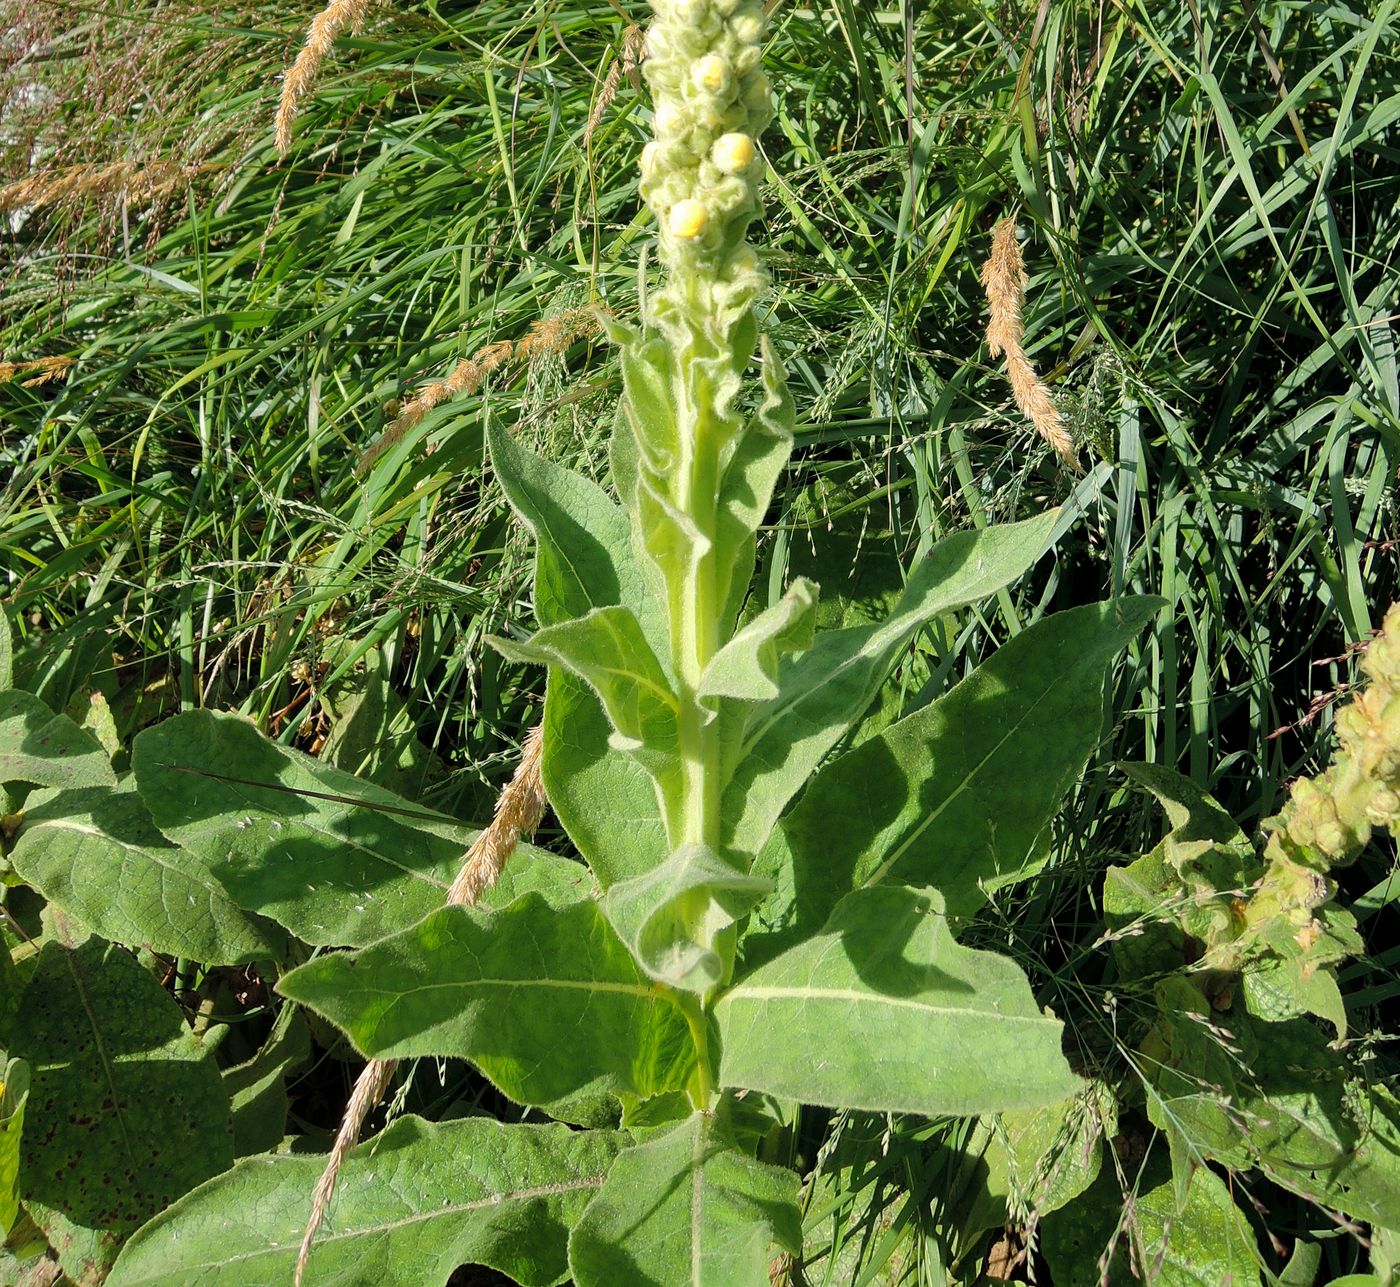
(688,219)
(733,153)
(711,74)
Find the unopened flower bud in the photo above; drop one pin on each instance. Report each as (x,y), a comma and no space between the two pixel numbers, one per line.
(669,119)
(747,29)
(711,74)
(733,153)
(688,219)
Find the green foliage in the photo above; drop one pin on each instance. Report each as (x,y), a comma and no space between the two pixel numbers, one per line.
(97,854)
(14,1094)
(883,1010)
(687,1206)
(126,1111)
(1208,197)
(501,989)
(411,1206)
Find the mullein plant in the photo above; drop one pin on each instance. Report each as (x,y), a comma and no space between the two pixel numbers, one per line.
(761,924)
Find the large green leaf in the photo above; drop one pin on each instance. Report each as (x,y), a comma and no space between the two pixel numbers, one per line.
(1103,1237)
(548,1003)
(824,691)
(334,859)
(410,1206)
(959,794)
(758,457)
(687,1207)
(46,749)
(583,560)
(125,1112)
(582,541)
(742,676)
(14,1094)
(1275,1096)
(883,1010)
(97,854)
(606,649)
(605,800)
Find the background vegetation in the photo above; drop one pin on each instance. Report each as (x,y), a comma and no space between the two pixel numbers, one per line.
(1208,194)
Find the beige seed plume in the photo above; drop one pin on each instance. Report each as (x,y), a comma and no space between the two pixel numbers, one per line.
(546,335)
(634,41)
(39,371)
(1004,281)
(333,21)
(519,809)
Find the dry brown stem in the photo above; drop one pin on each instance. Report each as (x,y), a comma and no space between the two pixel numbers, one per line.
(338,17)
(519,809)
(548,335)
(1004,281)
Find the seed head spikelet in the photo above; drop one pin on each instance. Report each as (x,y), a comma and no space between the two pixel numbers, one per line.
(546,336)
(332,22)
(519,809)
(1004,282)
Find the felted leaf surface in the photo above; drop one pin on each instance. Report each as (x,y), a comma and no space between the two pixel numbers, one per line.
(97,854)
(606,649)
(824,691)
(46,749)
(1206,1243)
(760,454)
(547,1003)
(883,1010)
(957,795)
(125,1111)
(1246,1092)
(583,554)
(584,560)
(14,1094)
(605,800)
(410,1206)
(257,1090)
(671,917)
(332,858)
(686,1207)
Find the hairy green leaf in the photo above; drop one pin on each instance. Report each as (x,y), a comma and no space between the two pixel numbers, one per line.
(604,798)
(824,691)
(959,794)
(410,1206)
(40,747)
(97,854)
(760,453)
(686,1207)
(126,1112)
(671,917)
(548,1003)
(584,560)
(1205,1242)
(883,1010)
(582,542)
(14,1094)
(333,858)
(607,649)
